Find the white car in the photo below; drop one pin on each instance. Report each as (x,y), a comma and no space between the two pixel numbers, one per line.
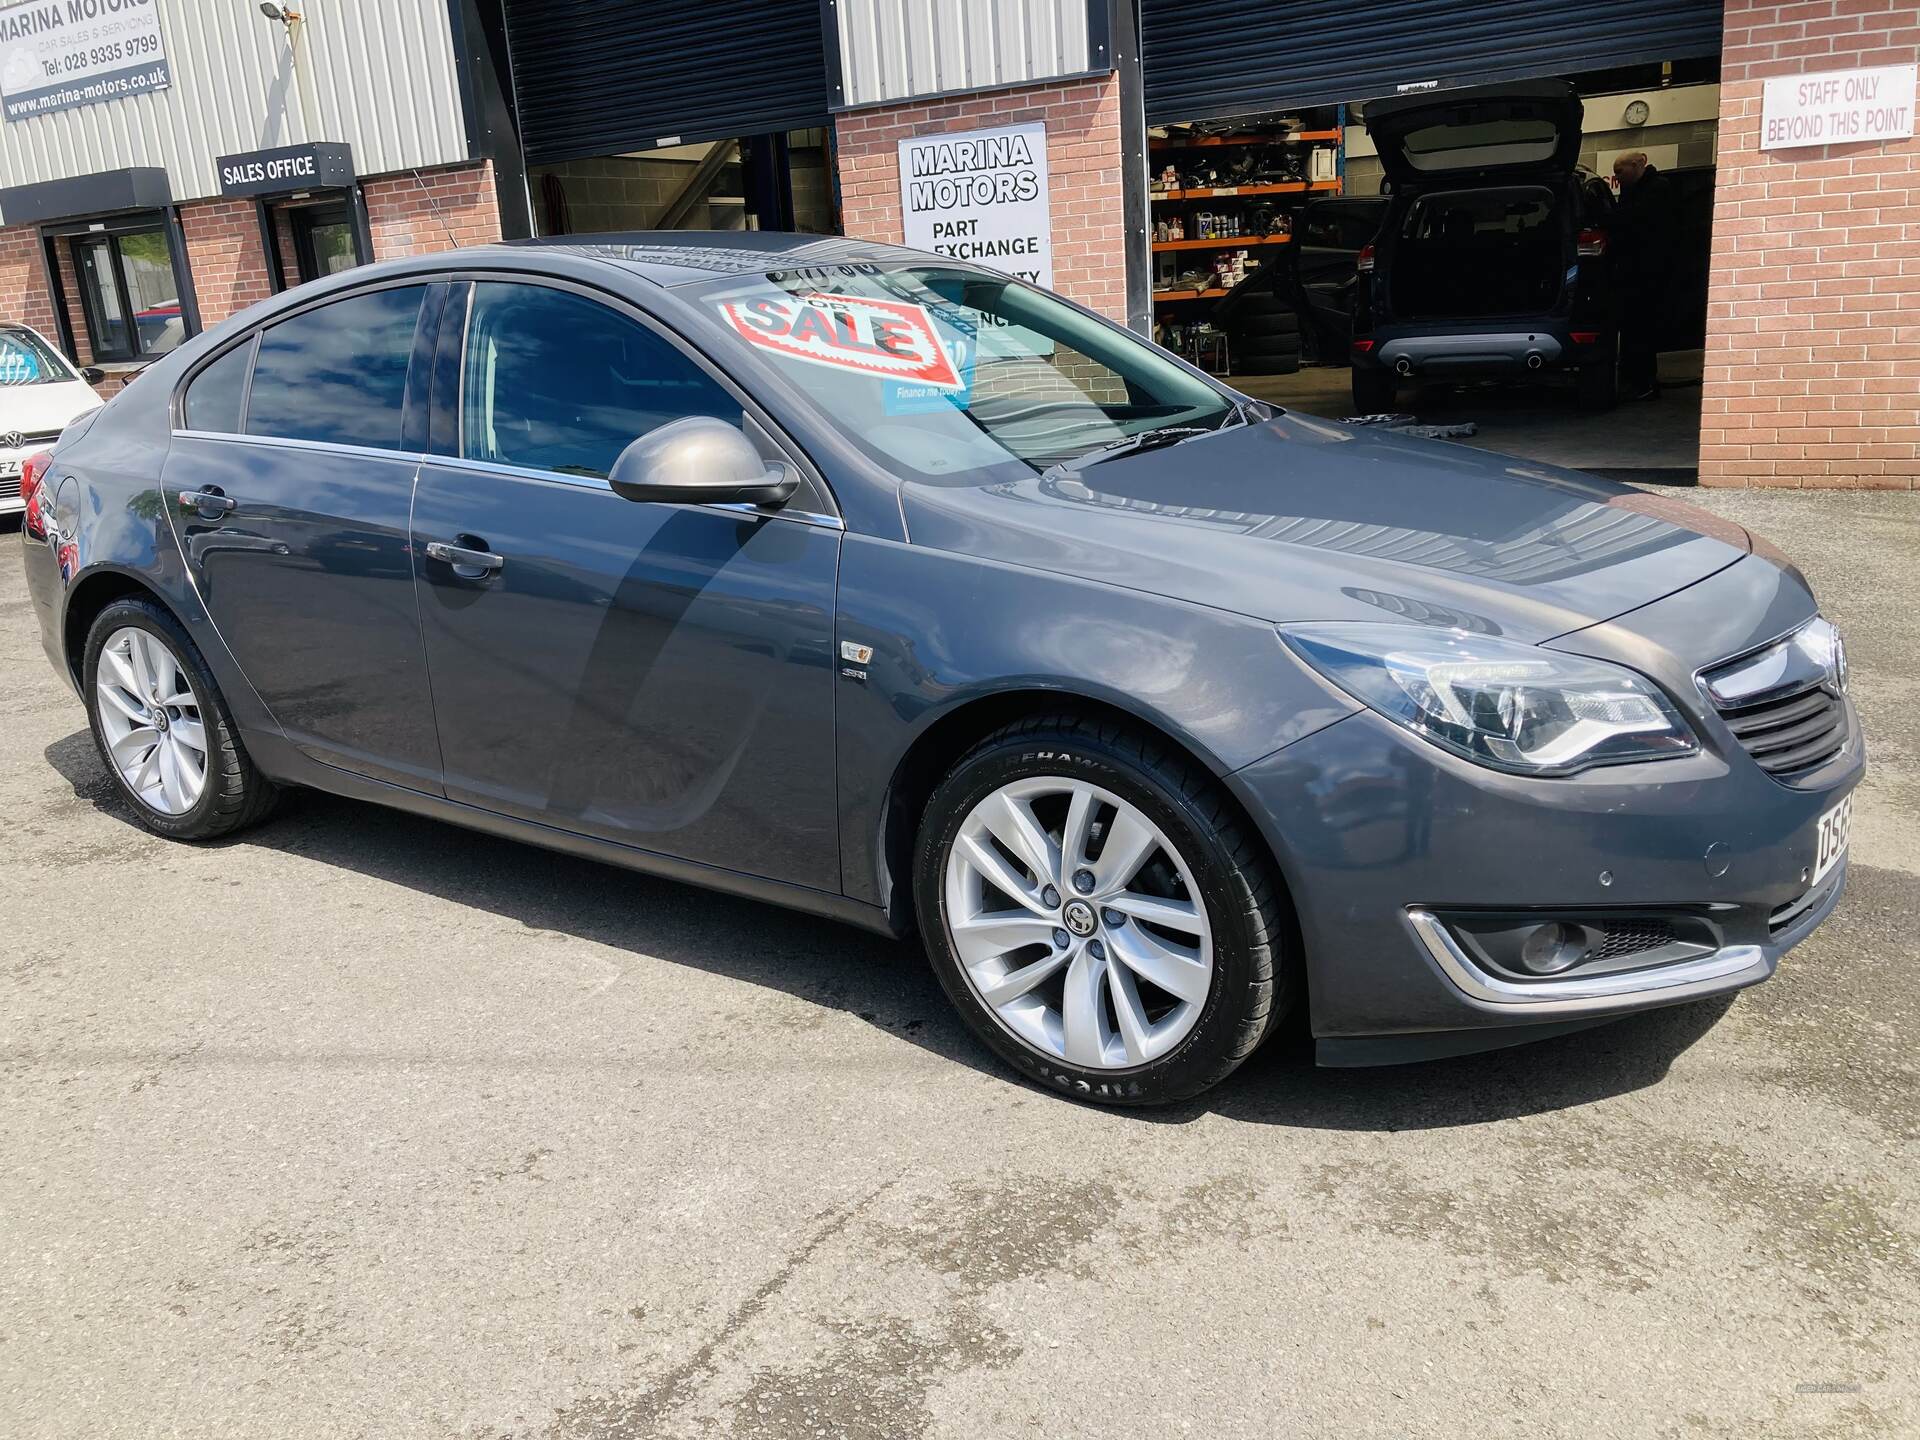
(40,393)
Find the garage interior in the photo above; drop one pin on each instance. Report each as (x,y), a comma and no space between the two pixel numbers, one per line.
(1265,185)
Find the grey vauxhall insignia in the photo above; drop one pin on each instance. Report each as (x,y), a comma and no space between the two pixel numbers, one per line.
(888,588)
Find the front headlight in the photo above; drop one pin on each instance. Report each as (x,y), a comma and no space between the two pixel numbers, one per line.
(1496,702)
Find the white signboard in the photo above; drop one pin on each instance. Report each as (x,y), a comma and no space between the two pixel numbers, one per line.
(1839,107)
(981,195)
(55,54)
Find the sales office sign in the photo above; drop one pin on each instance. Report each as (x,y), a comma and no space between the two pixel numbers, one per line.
(56,54)
(320,166)
(981,195)
(1838,107)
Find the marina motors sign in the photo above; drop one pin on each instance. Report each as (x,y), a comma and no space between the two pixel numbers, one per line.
(56,54)
(1838,107)
(981,195)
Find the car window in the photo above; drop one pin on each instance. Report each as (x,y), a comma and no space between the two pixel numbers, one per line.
(26,359)
(215,396)
(1320,229)
(555,381)
(338,373)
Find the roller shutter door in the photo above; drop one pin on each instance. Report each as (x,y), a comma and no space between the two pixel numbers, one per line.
(606,78)
(1204,60)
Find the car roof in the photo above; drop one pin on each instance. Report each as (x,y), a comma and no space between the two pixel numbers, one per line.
(681,257)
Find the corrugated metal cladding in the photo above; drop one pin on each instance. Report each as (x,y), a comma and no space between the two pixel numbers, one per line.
(902,49)
(1204,60)
(604,79)
(379,75)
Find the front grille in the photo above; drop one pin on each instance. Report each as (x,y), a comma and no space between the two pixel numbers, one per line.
(37,440)
(1617,939)
(1790,733)
(9,487)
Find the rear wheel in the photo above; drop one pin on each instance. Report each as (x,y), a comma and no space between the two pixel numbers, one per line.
(1373,391)
(1099,914)
(163,729)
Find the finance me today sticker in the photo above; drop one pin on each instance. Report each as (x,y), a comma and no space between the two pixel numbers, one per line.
(888,339)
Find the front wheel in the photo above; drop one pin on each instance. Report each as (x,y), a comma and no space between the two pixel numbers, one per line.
(1099,914)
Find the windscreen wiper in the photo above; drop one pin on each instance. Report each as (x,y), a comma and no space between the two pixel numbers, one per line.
(1132,445)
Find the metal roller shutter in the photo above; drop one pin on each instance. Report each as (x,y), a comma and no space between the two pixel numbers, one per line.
(1205,60)
(602,79)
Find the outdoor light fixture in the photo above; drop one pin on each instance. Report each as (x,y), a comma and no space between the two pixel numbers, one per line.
(274,12)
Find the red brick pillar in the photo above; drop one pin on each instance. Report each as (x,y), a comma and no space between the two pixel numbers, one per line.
(24,292)
(1083,170)
(223,250)
(1812,368)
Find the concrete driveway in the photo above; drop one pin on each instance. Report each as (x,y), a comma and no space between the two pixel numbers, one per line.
(363,1125)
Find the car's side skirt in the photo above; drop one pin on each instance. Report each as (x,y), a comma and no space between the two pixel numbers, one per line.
(286,764)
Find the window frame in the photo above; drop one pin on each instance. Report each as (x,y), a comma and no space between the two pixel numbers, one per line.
(420,369)
(112,231)
(815,505)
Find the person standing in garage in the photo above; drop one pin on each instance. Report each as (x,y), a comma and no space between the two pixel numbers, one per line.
(1643,246)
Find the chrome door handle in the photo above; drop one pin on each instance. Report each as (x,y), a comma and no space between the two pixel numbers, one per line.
(467,564)
(210,503)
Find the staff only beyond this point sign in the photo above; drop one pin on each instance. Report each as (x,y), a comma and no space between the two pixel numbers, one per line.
(981,195)
(1838,107)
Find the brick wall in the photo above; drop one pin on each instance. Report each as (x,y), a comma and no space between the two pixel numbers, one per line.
(24,293)
(1812,368)
(223,252)
(415,214)
(1083,168)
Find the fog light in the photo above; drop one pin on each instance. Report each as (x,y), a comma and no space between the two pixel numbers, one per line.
(1551,949)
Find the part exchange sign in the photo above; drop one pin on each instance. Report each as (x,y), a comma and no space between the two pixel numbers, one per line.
(1839,107)
(981,195)
(56,54)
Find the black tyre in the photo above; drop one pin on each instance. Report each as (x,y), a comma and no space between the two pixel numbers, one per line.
(1597,386)
(1373,391)
(163,729)
(1099,913)
(1267,365)
(1271,322)
(1269,347)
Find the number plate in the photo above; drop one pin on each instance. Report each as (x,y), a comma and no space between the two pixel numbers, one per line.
(1831,838)
(9,469)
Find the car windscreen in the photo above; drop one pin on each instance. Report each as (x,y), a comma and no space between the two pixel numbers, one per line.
(26,359)
(941,372)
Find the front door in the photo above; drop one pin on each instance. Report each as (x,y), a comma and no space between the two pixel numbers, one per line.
(298,470)
(659,675)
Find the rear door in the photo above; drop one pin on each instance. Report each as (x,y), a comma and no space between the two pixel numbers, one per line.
(289,482)
(659,675)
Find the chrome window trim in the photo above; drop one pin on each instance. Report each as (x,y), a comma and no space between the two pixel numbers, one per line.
(1732,965)
(288,442)
(488,467)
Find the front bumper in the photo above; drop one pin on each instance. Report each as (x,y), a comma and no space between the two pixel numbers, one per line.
(1381,835)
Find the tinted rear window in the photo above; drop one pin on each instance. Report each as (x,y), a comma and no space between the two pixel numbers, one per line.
(337,374)
(214,397)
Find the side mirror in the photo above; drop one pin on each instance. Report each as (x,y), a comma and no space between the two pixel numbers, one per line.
(699,461)
(92,374)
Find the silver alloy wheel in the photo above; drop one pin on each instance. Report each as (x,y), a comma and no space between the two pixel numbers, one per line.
(1105,973)
(151,720)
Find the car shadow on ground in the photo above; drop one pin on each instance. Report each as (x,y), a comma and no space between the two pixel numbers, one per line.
(889,985)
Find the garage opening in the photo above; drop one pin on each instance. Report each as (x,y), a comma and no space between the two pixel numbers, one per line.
(1520,265)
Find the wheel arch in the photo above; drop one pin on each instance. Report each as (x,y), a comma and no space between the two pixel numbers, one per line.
(92,592)
(940,745)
